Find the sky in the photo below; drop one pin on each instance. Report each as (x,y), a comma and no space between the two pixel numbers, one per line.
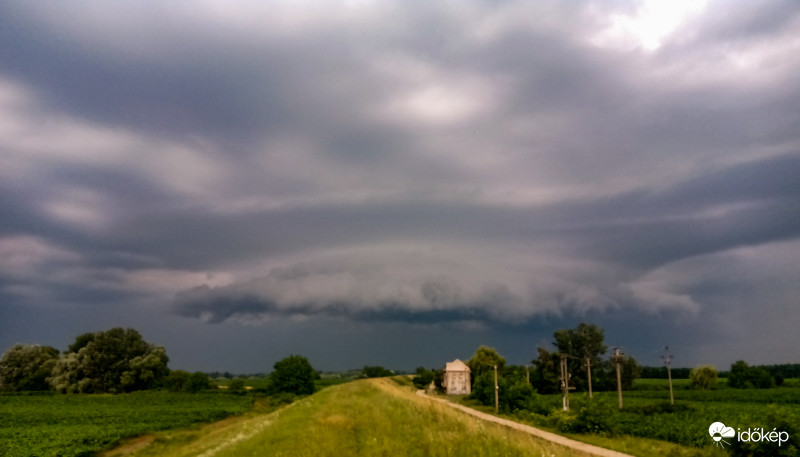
(396,183)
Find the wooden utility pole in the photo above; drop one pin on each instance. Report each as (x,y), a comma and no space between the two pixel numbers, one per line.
(528,374)
(667,359)
(496,392)
(589,373)
(565,381)
(618,360)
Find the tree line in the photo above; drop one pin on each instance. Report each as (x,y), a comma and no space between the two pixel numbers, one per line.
(120,360)
(584,348)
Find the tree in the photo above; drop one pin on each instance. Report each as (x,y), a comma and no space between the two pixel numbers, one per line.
(177,380)
(630,372)
(581,344)
(293,374)
(484,360)
(703,377)
(376,372)
(514,391)
(197,382)
(546,373)
(422,378)
(111,361)
(743,376)
(26,367)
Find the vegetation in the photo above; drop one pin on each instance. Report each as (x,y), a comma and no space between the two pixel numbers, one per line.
(293,375)
(743,376)
(26,367)
(423,378)
(484,360)
(703,377)
(376,372)
(80,425)
(117,360)
(700,399)
(370,417)
(580,345)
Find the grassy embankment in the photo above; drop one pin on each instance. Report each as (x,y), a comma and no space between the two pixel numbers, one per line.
(376,417)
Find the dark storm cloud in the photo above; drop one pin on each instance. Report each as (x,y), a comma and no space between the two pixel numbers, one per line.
(473,164)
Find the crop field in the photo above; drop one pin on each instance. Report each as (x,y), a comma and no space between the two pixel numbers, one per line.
(648,414)
(80,425)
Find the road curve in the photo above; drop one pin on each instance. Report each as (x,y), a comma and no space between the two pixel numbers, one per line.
(552,437)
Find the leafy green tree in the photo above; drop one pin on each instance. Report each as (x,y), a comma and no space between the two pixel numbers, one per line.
(581,343)
(629,372)
(26,367)
(514,392)
(546,373)
(81,341)
(604,377)
(422,378)
(177,380)
(376,372)
(111,361)
(703,377)
(743,376)
(738,376)
(198,382)
(293,374)
(484,361)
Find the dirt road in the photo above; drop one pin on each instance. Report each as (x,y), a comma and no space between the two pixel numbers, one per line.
(552,437)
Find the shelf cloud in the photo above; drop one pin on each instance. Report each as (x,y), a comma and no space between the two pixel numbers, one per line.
(454,168)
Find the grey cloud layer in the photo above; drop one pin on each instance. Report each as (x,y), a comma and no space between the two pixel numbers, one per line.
(413,163)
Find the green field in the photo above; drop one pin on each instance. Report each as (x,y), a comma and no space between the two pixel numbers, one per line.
(80,425)
(647,414)
(382,417)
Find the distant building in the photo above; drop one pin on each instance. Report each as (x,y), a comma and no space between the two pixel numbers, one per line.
(456,378)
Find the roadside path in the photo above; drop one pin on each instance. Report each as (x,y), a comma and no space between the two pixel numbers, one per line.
(552,437)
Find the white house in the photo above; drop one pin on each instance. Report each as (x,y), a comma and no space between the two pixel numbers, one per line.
(456,378)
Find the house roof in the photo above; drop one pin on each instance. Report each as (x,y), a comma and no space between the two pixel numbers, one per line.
(456,365)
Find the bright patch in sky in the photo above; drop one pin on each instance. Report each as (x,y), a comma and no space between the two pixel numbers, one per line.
(650,25)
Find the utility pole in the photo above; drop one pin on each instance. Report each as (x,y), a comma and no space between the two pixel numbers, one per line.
(589,373)
(565,381)
(528,374)
(667,359)
(617,357)
(496,392)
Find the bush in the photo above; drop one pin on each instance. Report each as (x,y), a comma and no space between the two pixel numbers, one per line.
(703,377)
(423,378)
(595,416)
(376,372)
(779,420)
(198,382)
(237,386)
(177,380)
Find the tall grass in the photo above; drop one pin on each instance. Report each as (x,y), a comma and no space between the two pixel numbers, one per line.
(374,417)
